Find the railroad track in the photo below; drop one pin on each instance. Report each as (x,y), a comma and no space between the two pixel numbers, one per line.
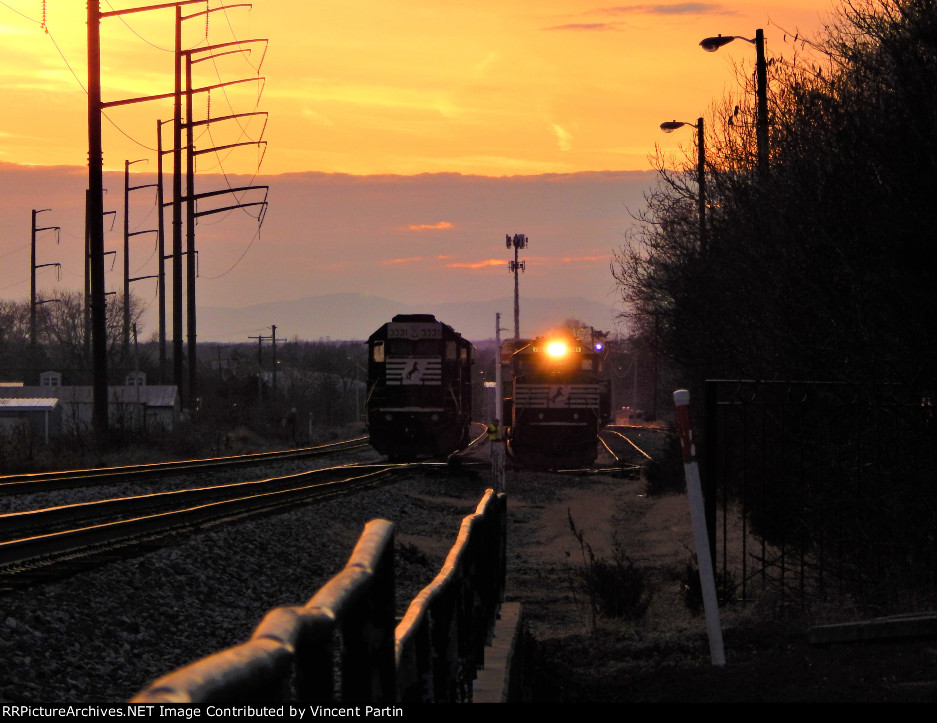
(633,447)
(626,455)
(48,481)
(39,544)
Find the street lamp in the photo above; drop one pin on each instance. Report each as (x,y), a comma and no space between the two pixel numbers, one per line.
(711,45)
(670,127)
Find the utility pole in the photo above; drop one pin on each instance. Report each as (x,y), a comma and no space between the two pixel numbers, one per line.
(161,252)
(761,92)
(713,44)
(95,206)
(33,303)
(95,231)
(95,221)
(260,340)
(190,233)
(260,366)
(274,338)
(190,196)
(89,364)
(701,184)
(519,241)
(177,368)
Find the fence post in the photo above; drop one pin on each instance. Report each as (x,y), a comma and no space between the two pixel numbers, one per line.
(681,398)
(709,483)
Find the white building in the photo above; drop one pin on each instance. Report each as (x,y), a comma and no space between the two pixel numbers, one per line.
(41,414)
(135,406)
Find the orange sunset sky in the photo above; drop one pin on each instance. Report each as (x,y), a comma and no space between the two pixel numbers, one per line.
(542,116)
(490,87)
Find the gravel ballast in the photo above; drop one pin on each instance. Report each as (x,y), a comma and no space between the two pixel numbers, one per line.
(104,634)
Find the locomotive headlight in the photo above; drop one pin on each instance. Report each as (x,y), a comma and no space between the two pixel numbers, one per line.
(435,417)
(388,417)
(556,349)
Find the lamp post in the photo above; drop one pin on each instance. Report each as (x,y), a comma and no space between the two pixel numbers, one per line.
(711,45)
(670,127)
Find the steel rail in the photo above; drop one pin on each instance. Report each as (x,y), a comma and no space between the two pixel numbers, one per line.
(47,481)
(43,550)
(609,450)
(619,434)
(96,512)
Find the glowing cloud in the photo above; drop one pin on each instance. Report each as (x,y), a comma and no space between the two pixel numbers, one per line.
(668,9)
(409,260)
(564,138)
(441,226)
(584,26)
(477,264)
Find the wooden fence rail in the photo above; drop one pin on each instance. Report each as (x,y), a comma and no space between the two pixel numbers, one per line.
(344,645)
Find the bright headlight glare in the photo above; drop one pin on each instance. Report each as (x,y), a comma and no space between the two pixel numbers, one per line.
(556,348)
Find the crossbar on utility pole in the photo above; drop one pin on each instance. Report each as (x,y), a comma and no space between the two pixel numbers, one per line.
(94,234)
(33,340)
(190,196)
(161,251)
(229,208)
(125,331)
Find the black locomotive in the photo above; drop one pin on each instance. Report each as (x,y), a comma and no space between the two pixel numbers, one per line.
(419,388)
(556,402)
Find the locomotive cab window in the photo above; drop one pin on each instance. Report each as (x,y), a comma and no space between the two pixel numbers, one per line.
(450,351)
(399,347)
(377,352)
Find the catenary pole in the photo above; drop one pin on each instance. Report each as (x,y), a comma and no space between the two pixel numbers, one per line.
(95,222)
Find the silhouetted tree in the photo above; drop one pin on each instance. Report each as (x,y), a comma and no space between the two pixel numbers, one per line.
(60,343)
(817,269)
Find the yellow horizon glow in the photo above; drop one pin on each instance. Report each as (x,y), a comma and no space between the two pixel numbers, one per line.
(364,87)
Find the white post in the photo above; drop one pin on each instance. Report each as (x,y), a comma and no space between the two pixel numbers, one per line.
(694,491)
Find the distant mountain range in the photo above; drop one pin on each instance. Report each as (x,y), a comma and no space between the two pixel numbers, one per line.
(356,316)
